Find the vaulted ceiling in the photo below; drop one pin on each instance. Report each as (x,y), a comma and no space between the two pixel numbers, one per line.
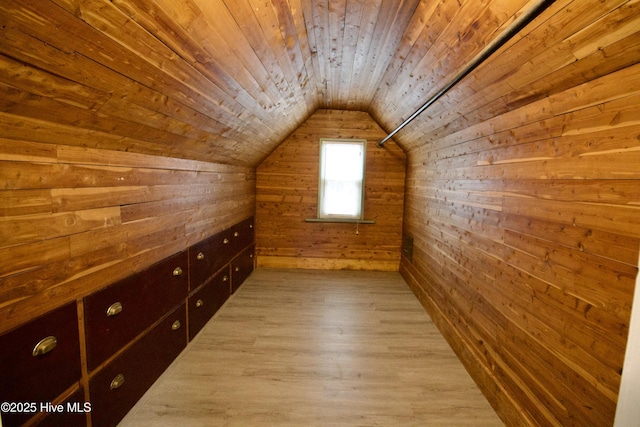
(227,80)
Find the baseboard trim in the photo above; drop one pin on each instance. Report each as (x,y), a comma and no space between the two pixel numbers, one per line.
(326,263)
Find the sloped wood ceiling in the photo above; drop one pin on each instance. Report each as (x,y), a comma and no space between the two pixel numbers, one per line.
(226,81)
(133,129)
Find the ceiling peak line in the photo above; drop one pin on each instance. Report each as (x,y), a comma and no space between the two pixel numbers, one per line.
(517,25)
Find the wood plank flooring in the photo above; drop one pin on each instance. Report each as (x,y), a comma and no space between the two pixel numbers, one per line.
(317,348)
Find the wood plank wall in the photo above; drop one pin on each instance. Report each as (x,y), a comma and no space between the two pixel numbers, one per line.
(74,219)
(526,232)
(287,194)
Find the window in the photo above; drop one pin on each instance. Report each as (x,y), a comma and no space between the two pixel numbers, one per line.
(341,183)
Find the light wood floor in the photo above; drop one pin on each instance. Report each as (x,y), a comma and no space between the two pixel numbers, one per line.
(317,348)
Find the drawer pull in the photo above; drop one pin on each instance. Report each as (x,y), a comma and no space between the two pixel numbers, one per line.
(199,303)
(225,241)
(200,256)
(117,382)
(237,269)
(176,325)
(177,271)
(250,225)
(225,278)
(236,234)
(114,309)
(44,346)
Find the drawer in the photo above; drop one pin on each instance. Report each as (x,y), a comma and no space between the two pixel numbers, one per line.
(242,235)
(207,300)
(119,385)
(222,248)
(117,314)
(201,260)
(43,377)
(171,271)
(242,267)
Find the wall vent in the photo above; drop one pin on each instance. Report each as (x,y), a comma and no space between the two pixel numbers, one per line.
(407,247)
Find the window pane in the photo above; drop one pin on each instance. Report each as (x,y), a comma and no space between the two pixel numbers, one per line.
(342,198)
(341,179)
(343,162)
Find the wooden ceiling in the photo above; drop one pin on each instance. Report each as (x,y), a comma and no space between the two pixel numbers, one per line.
(227,80)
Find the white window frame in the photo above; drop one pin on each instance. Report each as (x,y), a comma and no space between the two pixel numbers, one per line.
(322,188)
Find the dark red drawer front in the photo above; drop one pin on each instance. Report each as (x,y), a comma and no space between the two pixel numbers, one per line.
(28,378)
(242,235)
(140,366)
(201,260)
(144,298)
(172,271)
(206,301)
(241,268)
(222,249)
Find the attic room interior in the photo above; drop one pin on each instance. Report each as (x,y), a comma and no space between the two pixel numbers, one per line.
(164,179)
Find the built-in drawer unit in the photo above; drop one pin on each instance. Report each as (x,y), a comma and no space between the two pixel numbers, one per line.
(130,331)
(207,300)
(118,386)
(241,267)
(38,362)
(118,313)
(218,250)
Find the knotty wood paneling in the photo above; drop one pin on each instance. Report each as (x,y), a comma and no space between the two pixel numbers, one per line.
(76,219)
(571,43)
(287,194)
(523,200)
(227,81)
(127,123)
(525,217)
(174,79)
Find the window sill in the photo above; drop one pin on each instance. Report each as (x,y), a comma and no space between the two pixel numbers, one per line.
(345,220)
